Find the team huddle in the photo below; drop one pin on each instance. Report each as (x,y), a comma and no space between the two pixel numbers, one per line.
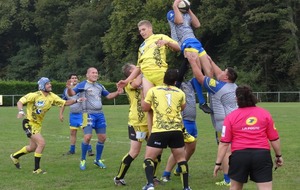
(162,112)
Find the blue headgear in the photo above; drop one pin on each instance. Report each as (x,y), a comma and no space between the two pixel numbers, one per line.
(42,82)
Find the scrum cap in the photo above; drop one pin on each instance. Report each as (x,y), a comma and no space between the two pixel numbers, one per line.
(42,82)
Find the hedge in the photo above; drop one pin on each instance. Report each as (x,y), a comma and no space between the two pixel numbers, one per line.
(20,88)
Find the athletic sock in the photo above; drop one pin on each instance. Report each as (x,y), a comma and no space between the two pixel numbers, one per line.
(166,174)
(84,148)
(99,149)
(20,153)
(124,166)
(37,159)
(226,178)
(149,168)
(184,173)
(72,148)
(90,147)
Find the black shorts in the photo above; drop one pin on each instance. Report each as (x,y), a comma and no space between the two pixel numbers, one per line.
(256,163)
(138,133)
(173,139)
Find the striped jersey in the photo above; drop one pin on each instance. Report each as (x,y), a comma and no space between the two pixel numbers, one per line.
(222,100)
(93,92)
(180,32)
(74,108)
(189,113)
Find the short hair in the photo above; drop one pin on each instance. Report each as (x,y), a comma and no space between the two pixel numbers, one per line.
(232,74)
(171,76)
(126,69)
(245,96)
(145,22)
(72,74)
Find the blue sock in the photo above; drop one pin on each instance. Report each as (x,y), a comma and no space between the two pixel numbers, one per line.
(178,169)
(72,148)
(99,148)
(226,178)
(197,86)
(84,148)
(90,148)
(166,174)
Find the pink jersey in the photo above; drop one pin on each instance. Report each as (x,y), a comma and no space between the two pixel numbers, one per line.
(250,127)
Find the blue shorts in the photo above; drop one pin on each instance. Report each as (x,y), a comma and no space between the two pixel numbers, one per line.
(192,43)
(94,121)
(75,120)
(191,128)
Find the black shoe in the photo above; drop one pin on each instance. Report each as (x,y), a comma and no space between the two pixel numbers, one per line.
(205,108)
(68,153)
(90,153)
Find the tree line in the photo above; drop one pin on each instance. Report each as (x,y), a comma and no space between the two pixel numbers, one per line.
(259,38)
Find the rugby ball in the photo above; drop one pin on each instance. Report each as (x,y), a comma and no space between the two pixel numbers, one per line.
(184,6)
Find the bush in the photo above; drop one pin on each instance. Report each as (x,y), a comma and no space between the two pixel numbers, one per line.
(13,90)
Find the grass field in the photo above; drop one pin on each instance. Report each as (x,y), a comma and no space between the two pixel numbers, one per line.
(63,171)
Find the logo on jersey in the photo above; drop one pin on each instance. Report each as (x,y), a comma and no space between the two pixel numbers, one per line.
(251,121)
(212,82)
(38,104)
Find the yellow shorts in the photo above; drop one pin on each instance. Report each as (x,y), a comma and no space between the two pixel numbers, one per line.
(156,78)
(196,51)
(35,128)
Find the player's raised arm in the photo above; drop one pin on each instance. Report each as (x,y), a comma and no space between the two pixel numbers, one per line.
(133,75)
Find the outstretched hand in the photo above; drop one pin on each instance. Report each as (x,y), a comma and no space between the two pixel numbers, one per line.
(121,84)
(69,84)
(120,91)
(176,2)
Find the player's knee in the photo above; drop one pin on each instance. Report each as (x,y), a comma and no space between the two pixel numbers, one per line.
(148,162)
(183,167)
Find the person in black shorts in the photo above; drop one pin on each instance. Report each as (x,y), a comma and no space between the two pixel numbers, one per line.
(250,130)
(167,102)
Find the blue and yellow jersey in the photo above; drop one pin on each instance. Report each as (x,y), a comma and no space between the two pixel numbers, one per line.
(166,103)
(38,104)
(152,57)
(136,116)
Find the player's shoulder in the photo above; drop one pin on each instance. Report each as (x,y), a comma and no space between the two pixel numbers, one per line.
(53,95)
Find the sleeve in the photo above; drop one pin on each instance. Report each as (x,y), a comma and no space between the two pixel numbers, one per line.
(104,92)
(226,136)
(184,99)
(165,37)
(58,101)
(79,87)
(148,96)
(212,85)
(170,17)
(65,95)
(30,97)
(272,132)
